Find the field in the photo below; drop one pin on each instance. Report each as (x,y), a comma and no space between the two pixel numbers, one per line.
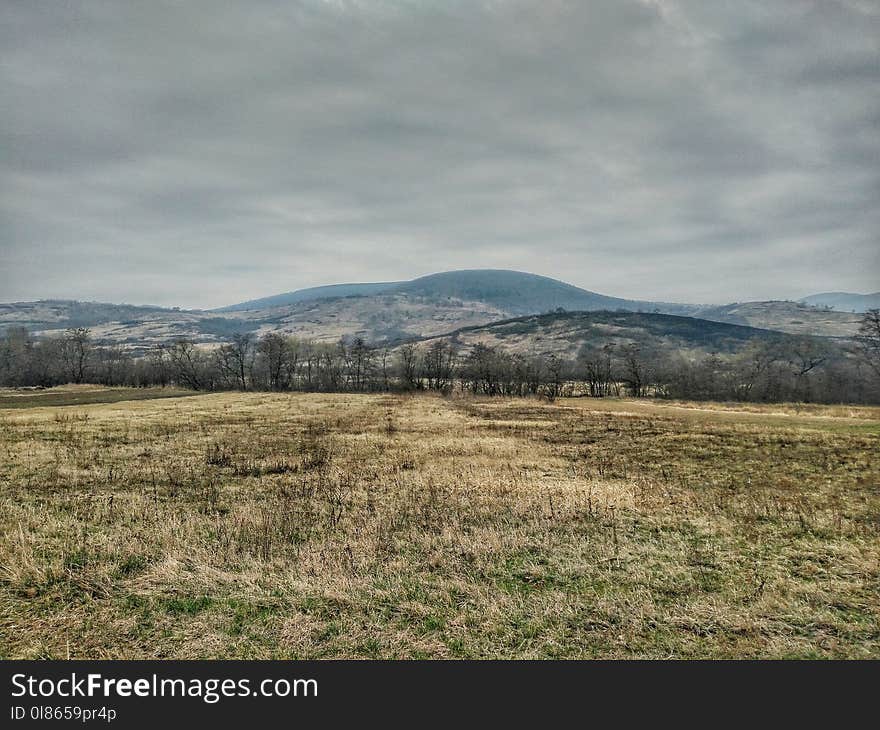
(246,525)
(77,395)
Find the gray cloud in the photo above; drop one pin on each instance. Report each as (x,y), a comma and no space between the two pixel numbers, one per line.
(202,153)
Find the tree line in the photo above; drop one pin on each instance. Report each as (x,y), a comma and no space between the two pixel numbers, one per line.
(766,370)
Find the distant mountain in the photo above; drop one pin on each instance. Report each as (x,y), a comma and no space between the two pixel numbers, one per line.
(388,312)
(844,301)
(791,317)
(135,327)
(330,291)
(514,292)
(65,313)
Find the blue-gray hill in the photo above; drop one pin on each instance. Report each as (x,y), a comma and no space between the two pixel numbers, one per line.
(844,301)
(330,291)
(515,292)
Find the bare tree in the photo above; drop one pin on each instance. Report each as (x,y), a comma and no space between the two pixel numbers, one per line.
(439,365)
(293,356)
(384,356)
(360,364)
(114,365)
(235,360)
(634,371)
(555,368)
(76,350)
(408,364)
(805,355)
(310,356)
(750,367)
(596,365)
(16,356)
(869,339)
(482,370)
(274,354)
(159,366)
(185,364)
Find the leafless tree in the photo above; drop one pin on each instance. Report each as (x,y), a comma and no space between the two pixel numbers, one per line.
(185,364)
(408,365)
(555,369)
(439,365)
(159,365)
(385,363)
(235,360)
(750,367)
(597,370)
(274,353)
(114,365)
(76,351)
(634,369)
(804,355)
(868,339)
(360,365)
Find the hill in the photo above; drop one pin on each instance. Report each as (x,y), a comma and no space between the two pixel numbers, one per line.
(378,318)
(381,318)
(565,333)
(514,292)
(391,311)
(844,301)
(135,327)
(65,313)
(330,291)
(790,317)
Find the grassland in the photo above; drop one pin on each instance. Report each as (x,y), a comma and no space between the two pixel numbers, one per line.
(275,526)
(77,395)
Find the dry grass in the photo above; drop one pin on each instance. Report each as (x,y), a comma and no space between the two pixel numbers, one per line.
(258,526)
(77,395)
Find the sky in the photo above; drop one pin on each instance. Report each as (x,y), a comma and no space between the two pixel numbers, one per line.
(197,154)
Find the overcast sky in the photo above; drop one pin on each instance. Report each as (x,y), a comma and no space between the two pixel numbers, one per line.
(202,153)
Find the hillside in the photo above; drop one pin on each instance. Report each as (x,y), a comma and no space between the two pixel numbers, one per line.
(136,327)
(844,301)
(514,292)
(64,313)
(790,317)
(330,291)
(378,312)
(390,311)
(381,318)
(565,333)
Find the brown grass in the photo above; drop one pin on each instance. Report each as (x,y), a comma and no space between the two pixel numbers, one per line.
(78,395)
(260,525)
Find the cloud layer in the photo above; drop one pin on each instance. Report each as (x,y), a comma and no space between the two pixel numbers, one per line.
(202,153)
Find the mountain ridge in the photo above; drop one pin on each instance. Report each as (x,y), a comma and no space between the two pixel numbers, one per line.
(519,292)
(841,301)
(384,312)
(326,291)
(565,333)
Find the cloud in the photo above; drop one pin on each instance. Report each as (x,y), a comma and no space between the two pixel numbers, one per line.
(201,153)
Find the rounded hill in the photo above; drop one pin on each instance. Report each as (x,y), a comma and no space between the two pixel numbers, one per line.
(513,291)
